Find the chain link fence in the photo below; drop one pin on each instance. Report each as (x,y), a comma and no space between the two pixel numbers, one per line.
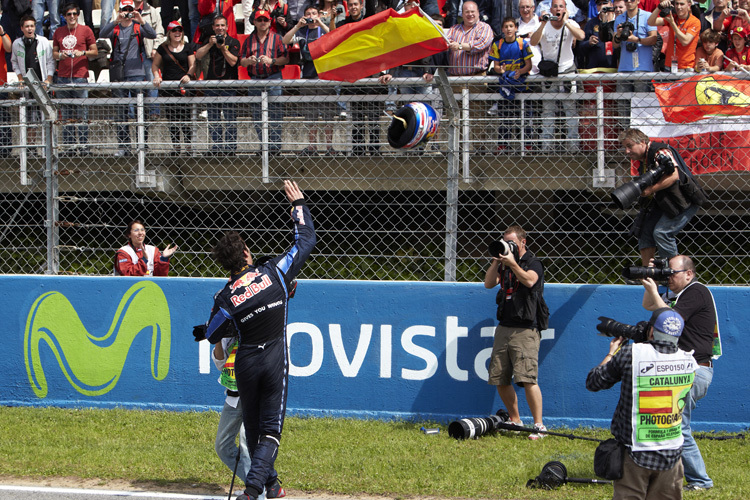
(78,164)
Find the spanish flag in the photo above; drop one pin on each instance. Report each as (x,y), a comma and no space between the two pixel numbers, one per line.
(377,43)
(702,96)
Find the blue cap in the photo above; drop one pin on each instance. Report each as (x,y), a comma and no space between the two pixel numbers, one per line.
(668,322)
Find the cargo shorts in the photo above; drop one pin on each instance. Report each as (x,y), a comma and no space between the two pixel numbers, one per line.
(515,356)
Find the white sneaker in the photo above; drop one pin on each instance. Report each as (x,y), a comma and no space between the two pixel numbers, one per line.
(493,110)
(536,436)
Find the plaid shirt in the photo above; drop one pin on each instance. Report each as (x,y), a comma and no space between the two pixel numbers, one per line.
(272,47)
(464,63)
(620,369)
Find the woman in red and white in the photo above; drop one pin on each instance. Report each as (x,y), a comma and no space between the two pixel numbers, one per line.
(138,259)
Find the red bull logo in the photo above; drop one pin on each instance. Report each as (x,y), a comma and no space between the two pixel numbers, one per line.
(251,289)
(243,280)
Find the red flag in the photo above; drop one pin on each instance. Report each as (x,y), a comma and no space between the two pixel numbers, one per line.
(378,43)
(701,96)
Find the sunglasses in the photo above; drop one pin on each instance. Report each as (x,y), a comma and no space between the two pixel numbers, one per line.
(263,20)
(127,10)
(178,30)
(74,14)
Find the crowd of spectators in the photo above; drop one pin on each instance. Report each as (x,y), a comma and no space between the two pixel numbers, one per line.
(507,38)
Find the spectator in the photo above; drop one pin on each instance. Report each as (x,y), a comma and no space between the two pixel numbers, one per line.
(333,14)
(168,12)
(281,20)
(138,259)
(86,8)
(296,9)
(511,57)
(555,40)
(127,37)
(738,53)
(208,9)
(356,13)
(264,54)
(72,45)
(38,7)
(715,13)
(597,47)
(574,13)
(152,17)
(469,48)
(528,23)
(636,54)
(684,33)
(303,33)
(727,20)
(175,58)
(6,135)
(223,53)
(620,7)
(12,12)
(491,12)
(32,51)
(708,57)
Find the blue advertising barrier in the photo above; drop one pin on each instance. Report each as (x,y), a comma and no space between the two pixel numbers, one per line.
(386,350)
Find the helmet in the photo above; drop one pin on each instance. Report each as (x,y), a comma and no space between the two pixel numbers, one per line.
(413,124)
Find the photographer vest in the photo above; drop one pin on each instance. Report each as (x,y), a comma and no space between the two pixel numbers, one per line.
(672,201)
(227,377)
(661,387)
(527,307)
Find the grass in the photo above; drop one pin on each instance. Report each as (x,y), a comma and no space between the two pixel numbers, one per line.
(339,456)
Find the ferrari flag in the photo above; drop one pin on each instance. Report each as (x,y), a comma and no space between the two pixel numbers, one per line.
(701,96)
(378,43)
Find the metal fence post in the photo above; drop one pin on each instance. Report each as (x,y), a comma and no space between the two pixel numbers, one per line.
(450,110)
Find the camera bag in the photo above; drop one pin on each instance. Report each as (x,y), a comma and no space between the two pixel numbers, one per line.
(608,459)
(549,68)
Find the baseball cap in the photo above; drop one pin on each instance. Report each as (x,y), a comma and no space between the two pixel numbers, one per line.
(127,3)
(667,323)
(599,2)
(262,13)
(738,30)
(173,25)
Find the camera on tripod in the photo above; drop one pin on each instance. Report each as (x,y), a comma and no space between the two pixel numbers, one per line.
(502,247)
(660,272)
(611,328)
(625,195)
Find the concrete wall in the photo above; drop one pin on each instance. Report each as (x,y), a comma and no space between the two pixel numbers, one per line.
(357,349)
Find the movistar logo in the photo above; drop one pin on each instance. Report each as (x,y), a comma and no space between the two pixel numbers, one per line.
(708,91)
(93,364)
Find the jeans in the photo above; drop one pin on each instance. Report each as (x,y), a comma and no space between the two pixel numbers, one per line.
(154,108)
(108,6)
(230,423)
(549,108)
(695,469)
(275,114)
(125,113)
(37,9)
(73,112)
(223,132)
(660,231)
(195,17)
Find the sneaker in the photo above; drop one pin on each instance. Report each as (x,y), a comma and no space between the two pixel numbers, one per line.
(274,489)
(519,424)
(536,436)
(245,496)
(493,110)
(122,153)
(693,487)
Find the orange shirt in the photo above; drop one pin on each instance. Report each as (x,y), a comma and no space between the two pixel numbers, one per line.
(685,53)
(715,59)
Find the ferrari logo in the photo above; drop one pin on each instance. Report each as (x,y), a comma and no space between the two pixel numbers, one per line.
(709,92)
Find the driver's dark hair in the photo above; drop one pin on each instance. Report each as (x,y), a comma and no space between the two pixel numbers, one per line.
(229,252)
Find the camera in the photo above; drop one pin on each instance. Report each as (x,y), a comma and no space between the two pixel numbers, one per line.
(549,17)
(611,328)
(220,40)
(627,30)
(631,46)
(339,9)
(625,195)
(502,247)
(606,31)
(660,271)
(666,11)
(733,12)
(128,15)
(309,20)
(607,9)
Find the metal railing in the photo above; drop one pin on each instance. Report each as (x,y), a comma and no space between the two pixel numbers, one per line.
(382,213)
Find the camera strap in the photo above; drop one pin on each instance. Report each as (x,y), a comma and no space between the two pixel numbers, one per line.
(559,47)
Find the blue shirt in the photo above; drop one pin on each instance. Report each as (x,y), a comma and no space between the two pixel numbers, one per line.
(511,54)
(645,53)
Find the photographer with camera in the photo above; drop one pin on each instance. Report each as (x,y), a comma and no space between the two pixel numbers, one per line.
(635,41)
(694,301)
(597,46)
(684,32)
(655,376)
(522,315)
(669,202)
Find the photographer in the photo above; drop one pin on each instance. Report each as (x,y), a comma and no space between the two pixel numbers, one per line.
(650,431)
(223,55)
(684,32)
(254,303)
(515,350)
(674,196)
(696,304)
(597,46)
